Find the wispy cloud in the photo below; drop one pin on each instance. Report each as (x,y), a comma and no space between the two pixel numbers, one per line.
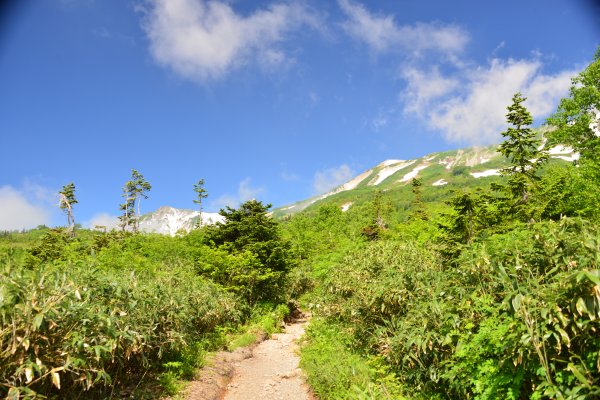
(379,122)
(425,86)
(381,33)
(204,41)
(245,192)
(330,178)
(18,212)
(470,105)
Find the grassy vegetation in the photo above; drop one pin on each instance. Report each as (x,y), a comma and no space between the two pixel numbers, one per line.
(493,293)
(480,289)
(111,313)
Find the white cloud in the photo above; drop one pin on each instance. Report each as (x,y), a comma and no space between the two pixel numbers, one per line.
(423,87)
(40,193)
(17,212)
(103,219)
(203,41)
(330,178)
(245,192)
(470,106)
(381,33)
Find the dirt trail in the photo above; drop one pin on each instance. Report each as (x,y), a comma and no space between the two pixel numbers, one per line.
(269,371)
(272,373)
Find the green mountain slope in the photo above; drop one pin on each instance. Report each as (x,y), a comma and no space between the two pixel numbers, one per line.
(440,173)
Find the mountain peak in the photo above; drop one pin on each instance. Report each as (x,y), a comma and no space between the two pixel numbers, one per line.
(170,220)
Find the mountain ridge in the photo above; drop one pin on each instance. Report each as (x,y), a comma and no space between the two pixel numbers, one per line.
(435,169)
(476,161)
(170,220)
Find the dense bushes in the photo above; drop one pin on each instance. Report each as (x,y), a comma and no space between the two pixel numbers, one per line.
(518,317)
(100,312)
(252,258)
(71,328)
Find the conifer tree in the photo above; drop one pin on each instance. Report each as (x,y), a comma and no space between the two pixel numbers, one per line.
(418,206)
(380,208)
(133,191)
(66,202)
(200,195)
(141,188)
(127,209)
(522,148)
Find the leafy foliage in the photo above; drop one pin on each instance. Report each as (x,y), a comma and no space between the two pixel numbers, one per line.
(133,191)
(201,194)
(576,118)
(81,322)
(497,297)
(252,259)
(99,312)
(66,203)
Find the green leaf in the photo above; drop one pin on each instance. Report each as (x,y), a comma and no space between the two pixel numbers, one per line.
(37,321)
(13,394)
(581,377)
(565,337)
(580,306)
(516,301)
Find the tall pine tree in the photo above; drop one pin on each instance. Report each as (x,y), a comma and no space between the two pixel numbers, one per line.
(66,202)
(522,148)
(200,195)
(134,190)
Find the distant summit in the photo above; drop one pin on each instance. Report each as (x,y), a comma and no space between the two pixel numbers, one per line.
(169,220)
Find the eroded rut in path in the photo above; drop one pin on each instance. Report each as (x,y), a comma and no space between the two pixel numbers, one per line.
(272,373)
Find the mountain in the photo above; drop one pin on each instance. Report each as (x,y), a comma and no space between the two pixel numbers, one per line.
(457,168)
(169,220)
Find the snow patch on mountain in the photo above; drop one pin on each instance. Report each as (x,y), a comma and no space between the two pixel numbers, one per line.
(352,183)
(389,169)
(387,163)
(560,149)
(489,172)
(413,174)
(473,157)
(169,220)
(439,182)
(346,206)
(572,157)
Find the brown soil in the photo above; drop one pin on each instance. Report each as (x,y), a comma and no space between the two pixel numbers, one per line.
(267,371)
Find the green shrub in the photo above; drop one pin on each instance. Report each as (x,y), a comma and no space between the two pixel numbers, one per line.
(88,325)
(334,371)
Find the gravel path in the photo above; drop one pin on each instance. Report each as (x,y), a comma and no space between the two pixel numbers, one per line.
(272,373)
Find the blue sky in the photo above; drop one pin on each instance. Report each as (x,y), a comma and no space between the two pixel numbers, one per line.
(274,100)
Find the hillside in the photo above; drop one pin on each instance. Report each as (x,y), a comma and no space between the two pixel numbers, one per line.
(440,173)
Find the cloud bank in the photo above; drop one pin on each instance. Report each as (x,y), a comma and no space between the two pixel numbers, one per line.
(330,178)
(204,41)
(17,212)
(470,105)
